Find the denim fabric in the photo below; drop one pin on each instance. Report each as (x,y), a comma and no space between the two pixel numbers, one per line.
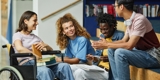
(120,59)
(61,71)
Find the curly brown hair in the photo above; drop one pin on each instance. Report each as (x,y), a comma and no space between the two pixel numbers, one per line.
(62,40)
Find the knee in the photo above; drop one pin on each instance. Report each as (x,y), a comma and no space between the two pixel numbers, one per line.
(120,52)
(44,70)
(64,65)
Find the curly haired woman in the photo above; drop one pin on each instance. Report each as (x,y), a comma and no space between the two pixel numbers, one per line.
(72,37)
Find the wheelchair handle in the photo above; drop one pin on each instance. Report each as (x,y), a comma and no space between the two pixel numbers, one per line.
(4,46)
(51,52)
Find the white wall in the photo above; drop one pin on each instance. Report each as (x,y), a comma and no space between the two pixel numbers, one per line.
(18,8)
(46,29)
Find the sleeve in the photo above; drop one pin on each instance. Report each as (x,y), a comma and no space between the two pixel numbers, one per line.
(68,53)
(139,28)
(16,36)
(82,49)
(38,38)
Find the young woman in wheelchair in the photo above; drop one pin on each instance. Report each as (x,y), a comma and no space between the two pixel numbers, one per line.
(72,37)
(23,39)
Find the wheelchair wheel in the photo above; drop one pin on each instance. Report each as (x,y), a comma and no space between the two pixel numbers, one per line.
(10,73)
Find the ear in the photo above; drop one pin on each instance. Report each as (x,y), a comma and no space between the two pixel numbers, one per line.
(121,7)
(25,21)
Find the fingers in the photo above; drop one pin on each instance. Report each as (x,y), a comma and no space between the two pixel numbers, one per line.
(90,57)
(39,45)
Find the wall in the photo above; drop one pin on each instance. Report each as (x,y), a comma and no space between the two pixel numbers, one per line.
(18,8)
(46,29)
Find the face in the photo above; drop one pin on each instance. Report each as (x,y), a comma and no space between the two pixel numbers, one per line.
(69,29)
(106,30)
(118,9)
(31,23)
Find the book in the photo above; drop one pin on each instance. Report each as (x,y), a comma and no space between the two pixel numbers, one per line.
(47,61)
(36,52)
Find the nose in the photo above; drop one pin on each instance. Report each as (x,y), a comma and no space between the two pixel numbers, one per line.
(37,23)
(69,28)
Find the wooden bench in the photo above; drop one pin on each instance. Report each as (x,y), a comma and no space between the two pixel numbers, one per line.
(139,73)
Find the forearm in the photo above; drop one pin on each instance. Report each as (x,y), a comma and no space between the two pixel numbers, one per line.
(47,48)
(119,41)
(71,60)
(24,50)
(115,45)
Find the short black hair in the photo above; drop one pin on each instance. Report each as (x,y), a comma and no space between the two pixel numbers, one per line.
(127,3)
(107,18)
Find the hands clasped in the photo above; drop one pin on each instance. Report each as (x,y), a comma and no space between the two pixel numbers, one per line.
(41,46)
(101,44)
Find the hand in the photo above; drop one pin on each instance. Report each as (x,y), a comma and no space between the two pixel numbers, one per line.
(58,59)
(104,58)
(90,57)
(101,44)
(41,46)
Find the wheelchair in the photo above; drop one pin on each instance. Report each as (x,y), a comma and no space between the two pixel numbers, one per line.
(22,72)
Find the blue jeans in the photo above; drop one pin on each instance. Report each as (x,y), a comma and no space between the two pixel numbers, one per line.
(61,71)
(120,59)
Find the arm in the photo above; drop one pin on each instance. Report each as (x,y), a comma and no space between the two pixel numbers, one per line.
(69,60)
(42,46)
(20,48)
(126,43)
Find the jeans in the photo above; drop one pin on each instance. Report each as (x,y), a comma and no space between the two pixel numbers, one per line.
(120,59)
(61,71)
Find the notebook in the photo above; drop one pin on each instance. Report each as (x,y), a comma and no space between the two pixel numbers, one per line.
(46,61)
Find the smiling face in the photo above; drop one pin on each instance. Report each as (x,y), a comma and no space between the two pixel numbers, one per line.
(31,23)
(106,30)
(69,29)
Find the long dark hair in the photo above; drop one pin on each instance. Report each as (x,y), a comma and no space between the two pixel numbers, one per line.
(26,15)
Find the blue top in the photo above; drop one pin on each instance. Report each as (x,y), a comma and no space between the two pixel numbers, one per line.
(118,35)
(79,48)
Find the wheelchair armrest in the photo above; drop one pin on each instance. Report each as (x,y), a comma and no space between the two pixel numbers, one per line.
(51,52)
(22,55)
